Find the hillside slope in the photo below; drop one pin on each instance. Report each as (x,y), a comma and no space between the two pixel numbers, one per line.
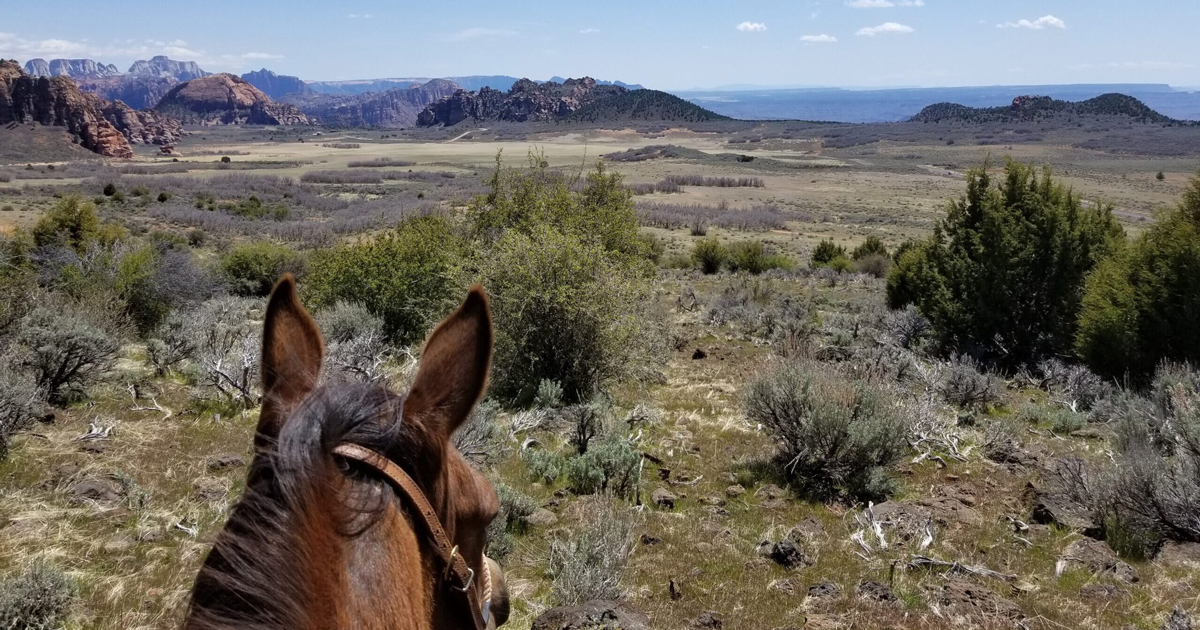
(224,99)
(644,105)
(57,102)
(1028,108)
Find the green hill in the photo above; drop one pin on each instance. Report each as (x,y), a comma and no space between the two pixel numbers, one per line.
(1034,108)
(651,105)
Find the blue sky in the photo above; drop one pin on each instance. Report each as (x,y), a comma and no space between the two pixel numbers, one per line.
(667,44)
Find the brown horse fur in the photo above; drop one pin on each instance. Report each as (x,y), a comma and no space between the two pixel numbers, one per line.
(317,543)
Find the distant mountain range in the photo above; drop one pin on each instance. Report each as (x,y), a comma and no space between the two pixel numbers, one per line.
(1039,108)
(572,100)
(473,83)
(394,108)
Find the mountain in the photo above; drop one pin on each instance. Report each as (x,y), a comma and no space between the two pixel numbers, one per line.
(56,101)
(225,99)
(74,68)
(526,101)
(139,92)
(274,85)
(1036,108)
(643,104)
(397,107)
(471,83)
(627,86)
(141,126)
(161,66)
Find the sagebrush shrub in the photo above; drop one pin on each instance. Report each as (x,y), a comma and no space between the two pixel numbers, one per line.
(549,395)
(228,346)
(544,466)
(20,402)
(611,466)
(835,435)
(589,562)
(38,598)
(480,439)
(905,327)
(967,384)
(515,507)
(65,350)
(355,345)
(709,255)
(170,345)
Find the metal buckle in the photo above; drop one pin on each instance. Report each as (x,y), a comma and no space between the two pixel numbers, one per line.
(470,580)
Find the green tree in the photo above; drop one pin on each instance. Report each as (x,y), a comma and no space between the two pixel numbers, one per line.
(252,269)
(1002,276)
(1142,305)
(826,253)
(873,246)
(409,277)
(72,223)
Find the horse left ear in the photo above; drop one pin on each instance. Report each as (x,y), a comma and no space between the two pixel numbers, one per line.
(454,366)
(291,358)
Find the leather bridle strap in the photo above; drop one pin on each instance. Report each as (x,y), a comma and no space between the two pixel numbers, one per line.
(455,566)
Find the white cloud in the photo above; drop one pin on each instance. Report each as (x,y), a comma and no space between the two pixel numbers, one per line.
(477,32)
(887,27)
(13,46)
(883,4)
(818,39)
(589,31)
(1044,22)
(360,16)
(752,27)
(259,55)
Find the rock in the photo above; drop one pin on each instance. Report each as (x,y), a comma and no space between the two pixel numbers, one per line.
(394,108)
(969,597)
(1102,592)
(151,536)
(58,102)
(228,460)
(787,554)
(594,615)
(141,126)
(649,540)
(1050,509)
(699,354)
(783,586)
(74,68)
(664,499)
(277,86)
(771,491)
(734,491)
(824,589)
(875,591)
(161,66)
(806,530)
(210,488)
(526,101)
(95,490)
(712,500)
(224,99)
(1179,620)
(710,619)
(675,590)
(1092,555)
(541,517)
(1179,554)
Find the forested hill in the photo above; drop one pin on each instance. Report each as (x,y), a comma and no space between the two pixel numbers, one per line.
(1032,108)
(644,105)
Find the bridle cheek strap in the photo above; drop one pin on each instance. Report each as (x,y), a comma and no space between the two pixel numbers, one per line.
(460,576)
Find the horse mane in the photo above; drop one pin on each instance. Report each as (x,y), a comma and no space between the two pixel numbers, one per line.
(255,575)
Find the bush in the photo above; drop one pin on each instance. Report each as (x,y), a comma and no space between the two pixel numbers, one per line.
(825,253)
(110,189)
(515,507)
(568,311)
(611,466)
(407,277)
(835,435)
(39,598)
(873,246)
(751,257)
(228,344)
(874,264)
(709,255)
(164,197)
(252,269)
(355,345)
(905,327)
(1141,306)
(589,562)
(65,350)
(549,395)
(543,466)
(345,321)
(170,345)
(966,384)
(20,402)
(1002,275)
(480,439)
(72,223)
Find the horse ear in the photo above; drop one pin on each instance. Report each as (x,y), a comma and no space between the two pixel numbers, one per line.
(291,358)
(454,365)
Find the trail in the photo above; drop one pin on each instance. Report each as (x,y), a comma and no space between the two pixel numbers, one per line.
(460,137)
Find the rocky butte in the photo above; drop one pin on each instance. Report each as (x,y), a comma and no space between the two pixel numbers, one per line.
(225,99)
(57,101)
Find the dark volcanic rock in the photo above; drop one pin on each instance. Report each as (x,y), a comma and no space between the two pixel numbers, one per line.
(56,101)
(787,554)
(274,85)
(595,615)
(161,66)
(824,589)
(394,108)
(968,597)
(875,591)
(97,490)
(223,99)
(526,101)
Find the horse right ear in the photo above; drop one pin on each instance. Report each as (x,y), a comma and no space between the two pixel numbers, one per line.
(454,366)
(291,358)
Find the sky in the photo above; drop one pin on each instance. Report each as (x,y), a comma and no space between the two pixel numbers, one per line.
(663,44)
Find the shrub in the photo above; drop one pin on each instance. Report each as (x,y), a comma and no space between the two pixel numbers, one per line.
(751,257)
(39,598)
(480,439)
(611,466)
(1079,387)
(407,277)
(346,320)
(252,269)
(543,466)
(1140,306)
(966,384)
(588,562)
(1160,176)
(140,191)
(72,223)
(1002,275)
(227,330)
(709,255)
(110,189)
(65,350)
(874,264)
(825,253)
(873,246)
(355,344)
(170,345)
(568,311)
(1066,422)
(905,327)
(164,197)
(549,395)
(20,402)
(515,507)
(835,435)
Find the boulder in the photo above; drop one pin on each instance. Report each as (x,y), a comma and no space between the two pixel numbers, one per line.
(95,490)
(664,499)
(1092,555)
(594,615)
(875,591)
(787,554)
(710,619)
(541,517)
(1049,508)
(227,460)
(734,491)
(1178,620)
(824,589)
(57,101)
(967,597)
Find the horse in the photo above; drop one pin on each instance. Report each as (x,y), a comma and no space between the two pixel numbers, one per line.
(358,511)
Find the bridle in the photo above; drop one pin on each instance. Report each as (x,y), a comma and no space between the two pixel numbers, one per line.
(459,576)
